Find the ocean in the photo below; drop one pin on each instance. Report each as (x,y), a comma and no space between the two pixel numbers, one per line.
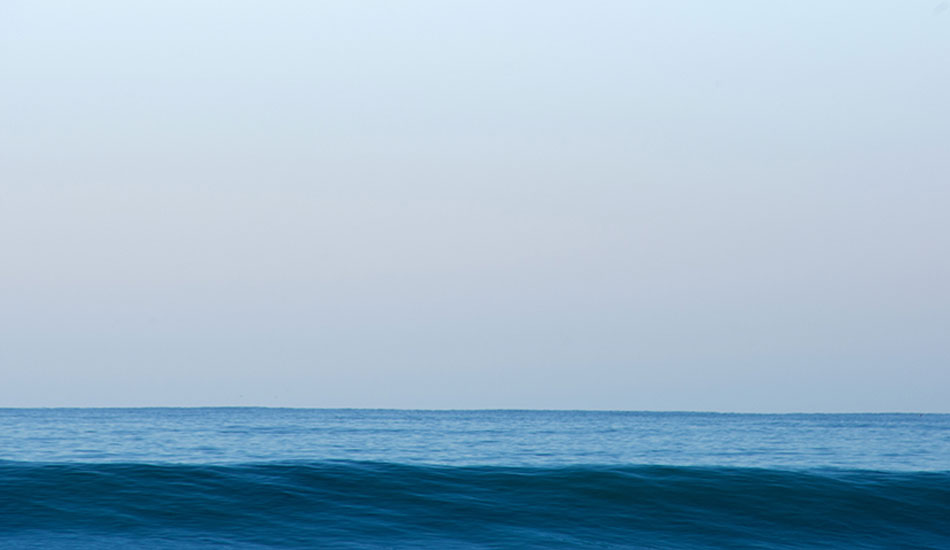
(259,478)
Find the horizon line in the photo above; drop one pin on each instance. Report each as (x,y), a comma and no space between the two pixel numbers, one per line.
(496,409)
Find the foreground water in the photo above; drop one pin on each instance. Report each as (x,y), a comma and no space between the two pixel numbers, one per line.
(292,478)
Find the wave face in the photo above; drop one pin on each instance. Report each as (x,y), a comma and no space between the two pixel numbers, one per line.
(339,504)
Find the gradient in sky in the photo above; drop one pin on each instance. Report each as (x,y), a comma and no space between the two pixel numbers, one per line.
(691,205)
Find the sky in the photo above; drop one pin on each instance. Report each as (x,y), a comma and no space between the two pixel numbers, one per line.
(629,205)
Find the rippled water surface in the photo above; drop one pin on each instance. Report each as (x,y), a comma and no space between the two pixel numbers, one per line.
(250,479)
(538,438)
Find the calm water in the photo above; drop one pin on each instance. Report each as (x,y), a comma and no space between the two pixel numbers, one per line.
(297,478)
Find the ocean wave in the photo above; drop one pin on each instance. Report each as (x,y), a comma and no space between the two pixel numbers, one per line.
(339,504)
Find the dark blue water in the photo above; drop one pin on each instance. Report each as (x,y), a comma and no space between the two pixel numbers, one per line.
(285,478)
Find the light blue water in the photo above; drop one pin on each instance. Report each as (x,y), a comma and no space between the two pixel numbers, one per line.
(905,442)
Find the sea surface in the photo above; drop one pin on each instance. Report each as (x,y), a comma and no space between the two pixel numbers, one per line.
(257,478)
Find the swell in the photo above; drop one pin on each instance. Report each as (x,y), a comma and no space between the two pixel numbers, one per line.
(381,505)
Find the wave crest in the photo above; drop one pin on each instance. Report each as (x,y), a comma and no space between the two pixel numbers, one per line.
(381,505)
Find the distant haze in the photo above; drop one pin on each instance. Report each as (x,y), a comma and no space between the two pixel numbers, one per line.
(647,205)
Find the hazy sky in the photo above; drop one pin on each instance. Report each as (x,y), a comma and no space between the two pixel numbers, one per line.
(664,205)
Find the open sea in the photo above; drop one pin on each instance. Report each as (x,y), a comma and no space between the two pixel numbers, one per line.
(253,478)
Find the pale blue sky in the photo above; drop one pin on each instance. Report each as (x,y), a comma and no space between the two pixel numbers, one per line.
(690,205)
